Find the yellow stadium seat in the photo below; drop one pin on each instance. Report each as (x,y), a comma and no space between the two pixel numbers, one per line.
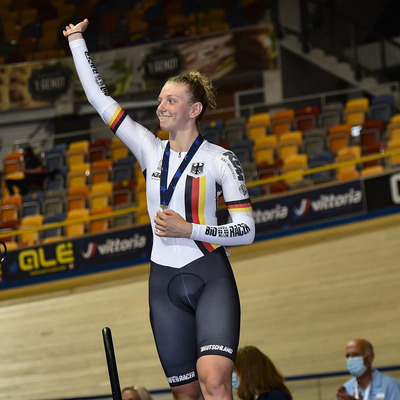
(258,125)
(10,207)
(395,159)
(12,162)
(289,143)
(356,110)
(350,170)
(142,216)
(77,152)
(264,148)
(339,136)
(348,175)
(372,170)
(78,174)
(293,167)
(118,149)
(393,129)
(52,239)
(100,195)
(100,225)
(79,228)
(33,237)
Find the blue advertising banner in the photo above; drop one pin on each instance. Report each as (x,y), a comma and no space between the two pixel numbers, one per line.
(83,255)
(383,192)
(289,212)
(308,208)
(277,216)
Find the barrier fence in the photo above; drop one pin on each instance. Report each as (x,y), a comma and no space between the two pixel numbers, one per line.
(291,174)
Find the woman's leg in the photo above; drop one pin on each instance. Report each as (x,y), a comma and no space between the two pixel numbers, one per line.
(174,329)
(190,391)
(215,377)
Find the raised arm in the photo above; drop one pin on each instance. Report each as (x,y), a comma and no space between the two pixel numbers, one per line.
(136,137)
(95,90)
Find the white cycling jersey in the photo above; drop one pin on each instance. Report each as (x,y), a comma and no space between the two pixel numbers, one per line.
(212,169)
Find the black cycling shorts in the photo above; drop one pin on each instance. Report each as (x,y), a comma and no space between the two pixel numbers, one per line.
(194,311)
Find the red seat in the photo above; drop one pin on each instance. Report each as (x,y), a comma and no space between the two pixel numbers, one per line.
(306,118)
(124,192)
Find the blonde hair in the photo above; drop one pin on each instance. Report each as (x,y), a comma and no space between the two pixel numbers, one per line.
(143,393)
(200,89)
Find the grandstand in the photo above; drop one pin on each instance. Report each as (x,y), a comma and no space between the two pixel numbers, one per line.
(321,158)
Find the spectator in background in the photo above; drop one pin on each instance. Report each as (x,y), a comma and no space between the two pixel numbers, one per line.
(136,393)
(367,383)
(33,173)
(256,378)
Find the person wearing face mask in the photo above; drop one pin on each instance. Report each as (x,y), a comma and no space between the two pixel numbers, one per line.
(255,377)
(367,383)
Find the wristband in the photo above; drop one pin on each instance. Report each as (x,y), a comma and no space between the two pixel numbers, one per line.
(73,33)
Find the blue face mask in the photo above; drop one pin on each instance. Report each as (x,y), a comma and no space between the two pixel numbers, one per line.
(235,381)
(356,366)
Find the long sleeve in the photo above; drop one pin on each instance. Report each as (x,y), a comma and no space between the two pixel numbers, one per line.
(241,231)
(229,174)
(94,87)
(139,140)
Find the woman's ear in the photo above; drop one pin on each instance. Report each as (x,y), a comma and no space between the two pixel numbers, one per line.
(196,110)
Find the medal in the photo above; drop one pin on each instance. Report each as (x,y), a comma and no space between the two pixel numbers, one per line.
(167,191)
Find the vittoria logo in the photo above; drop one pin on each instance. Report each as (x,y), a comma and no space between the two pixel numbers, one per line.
(197,168)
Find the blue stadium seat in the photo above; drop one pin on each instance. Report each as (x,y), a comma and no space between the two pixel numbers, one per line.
(51,219)
(319,160)
(32,203)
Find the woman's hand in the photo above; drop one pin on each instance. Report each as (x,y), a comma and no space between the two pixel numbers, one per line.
(170,224)
(73,32)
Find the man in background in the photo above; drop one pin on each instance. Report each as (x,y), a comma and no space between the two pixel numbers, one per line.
(367,383)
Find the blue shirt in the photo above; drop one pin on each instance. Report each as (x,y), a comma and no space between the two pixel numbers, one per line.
(383,387)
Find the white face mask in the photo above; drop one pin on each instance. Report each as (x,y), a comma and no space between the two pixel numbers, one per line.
(356,366)
(235,381)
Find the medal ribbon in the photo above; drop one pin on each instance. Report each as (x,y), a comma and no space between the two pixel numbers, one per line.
(167,192)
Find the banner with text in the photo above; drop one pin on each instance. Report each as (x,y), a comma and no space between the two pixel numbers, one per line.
(78,256)
(280,215)
(140,68)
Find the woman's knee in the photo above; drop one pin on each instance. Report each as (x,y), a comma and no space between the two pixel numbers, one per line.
(215,375)
(190,391)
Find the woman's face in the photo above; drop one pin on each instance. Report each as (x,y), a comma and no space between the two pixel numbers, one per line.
(174,110)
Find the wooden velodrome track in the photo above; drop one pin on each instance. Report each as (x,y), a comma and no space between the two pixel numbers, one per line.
(303,297)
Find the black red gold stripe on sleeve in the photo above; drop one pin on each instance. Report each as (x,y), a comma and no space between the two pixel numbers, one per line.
(117,119)
(239,206)
(195,197)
